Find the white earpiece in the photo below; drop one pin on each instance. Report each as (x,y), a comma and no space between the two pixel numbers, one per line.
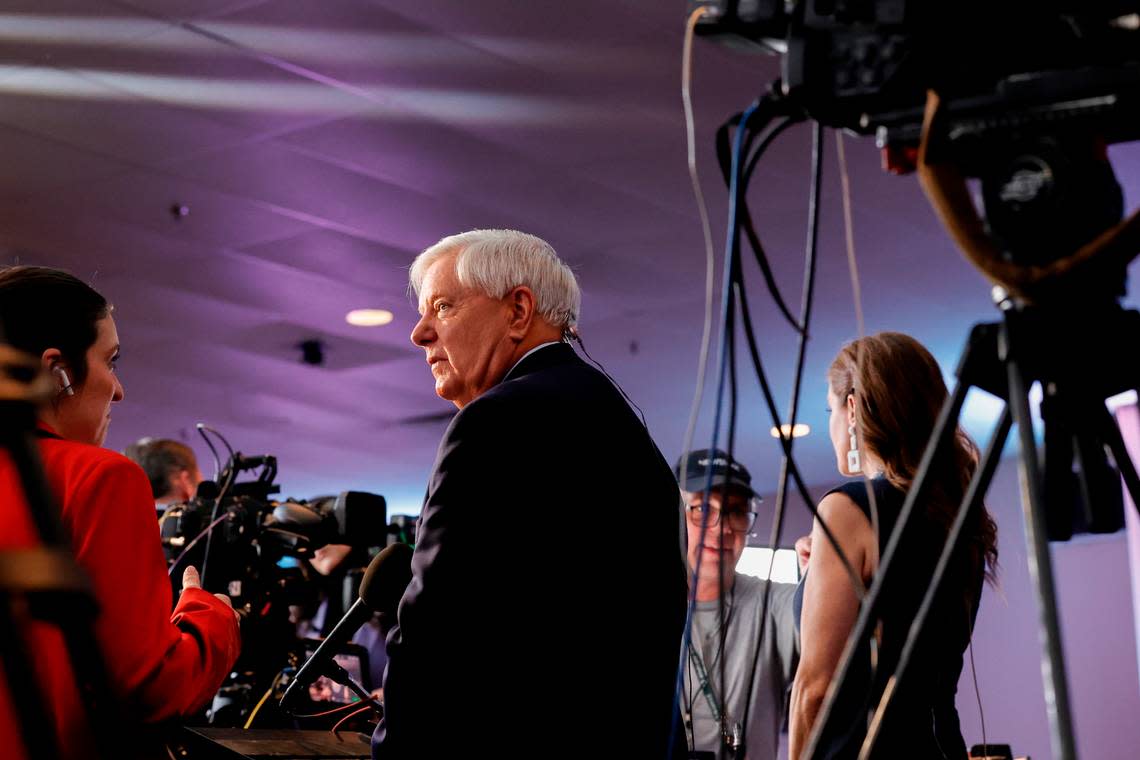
(64,381)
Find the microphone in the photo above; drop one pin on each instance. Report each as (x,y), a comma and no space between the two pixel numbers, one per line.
(207,491)
(383,585)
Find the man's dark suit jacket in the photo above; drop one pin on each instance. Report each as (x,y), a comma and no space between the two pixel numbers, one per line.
(547,600)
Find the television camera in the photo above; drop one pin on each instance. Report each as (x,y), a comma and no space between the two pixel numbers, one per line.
(256,549)
(1030,93)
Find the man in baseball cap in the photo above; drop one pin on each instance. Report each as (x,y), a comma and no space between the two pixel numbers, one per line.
(741,716)
(695,467)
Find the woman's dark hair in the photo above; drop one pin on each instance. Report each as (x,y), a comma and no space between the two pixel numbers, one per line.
(42,308)
(899,392)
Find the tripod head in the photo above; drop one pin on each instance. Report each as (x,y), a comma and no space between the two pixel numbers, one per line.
(1054,245)
(1053,207)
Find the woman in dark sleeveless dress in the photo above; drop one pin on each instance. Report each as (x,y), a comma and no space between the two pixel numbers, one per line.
(885,392)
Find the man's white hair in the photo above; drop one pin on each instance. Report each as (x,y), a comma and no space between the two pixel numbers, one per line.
(495,261)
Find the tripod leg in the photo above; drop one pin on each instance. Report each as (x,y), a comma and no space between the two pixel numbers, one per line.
(1041,571)
(1061,449)
(1110,434)
(971,501)
(36,728)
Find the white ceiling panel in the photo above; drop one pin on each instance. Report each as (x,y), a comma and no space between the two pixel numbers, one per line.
(363,45)
(35,165)
(124,127)
(379,268)
(146,199)
(382,211)
(69,32)
(182,66)
(183,10)
(434,158)
(223,358)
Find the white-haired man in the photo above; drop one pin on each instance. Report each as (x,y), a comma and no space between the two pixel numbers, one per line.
(546,605)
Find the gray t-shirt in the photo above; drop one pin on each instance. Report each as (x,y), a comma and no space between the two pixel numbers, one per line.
(763,691)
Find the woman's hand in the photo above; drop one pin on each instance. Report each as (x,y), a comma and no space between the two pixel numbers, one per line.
(803,551)
(190,579)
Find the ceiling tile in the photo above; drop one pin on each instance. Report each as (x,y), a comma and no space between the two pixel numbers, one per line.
(121,126)
(68,32)
(181,66)
(146,199)
(364,45)
(284,339)
(255,283)
(183,10)
(382,269)
(35,165)
(429,157)
(398,216)
(607,22)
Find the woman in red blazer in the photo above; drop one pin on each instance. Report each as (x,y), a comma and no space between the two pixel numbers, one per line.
(160,665)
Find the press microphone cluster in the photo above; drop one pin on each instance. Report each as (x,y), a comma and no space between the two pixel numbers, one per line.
(382,587)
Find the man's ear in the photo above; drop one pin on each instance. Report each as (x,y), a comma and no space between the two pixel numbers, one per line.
(184,482)
(522,305)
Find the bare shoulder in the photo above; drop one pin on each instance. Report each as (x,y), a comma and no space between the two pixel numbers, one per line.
(851,529)
(842,514)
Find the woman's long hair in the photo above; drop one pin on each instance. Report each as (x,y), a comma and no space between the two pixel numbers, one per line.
(899,392)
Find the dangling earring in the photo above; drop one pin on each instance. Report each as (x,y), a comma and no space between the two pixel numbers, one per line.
(853,464)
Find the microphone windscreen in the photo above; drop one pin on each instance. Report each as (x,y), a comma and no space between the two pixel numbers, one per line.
(386,578)
(207,490)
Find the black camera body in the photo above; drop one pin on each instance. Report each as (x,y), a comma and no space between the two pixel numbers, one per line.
(866,64)
(254,532)
(1030,94)
(256,553)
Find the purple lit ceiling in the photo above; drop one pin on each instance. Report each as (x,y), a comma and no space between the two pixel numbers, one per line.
(319,145)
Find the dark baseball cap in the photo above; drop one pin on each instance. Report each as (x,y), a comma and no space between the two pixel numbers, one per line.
(724,468)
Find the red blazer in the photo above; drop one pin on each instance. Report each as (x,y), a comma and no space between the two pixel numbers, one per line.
(160,665)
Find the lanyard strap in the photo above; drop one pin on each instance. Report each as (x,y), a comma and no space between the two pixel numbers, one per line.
(703,680)
(733,736)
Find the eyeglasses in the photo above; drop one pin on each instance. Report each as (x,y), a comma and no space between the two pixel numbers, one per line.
(737,521)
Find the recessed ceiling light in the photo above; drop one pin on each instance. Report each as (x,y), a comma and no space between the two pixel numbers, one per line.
(799,431)
(368,317)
